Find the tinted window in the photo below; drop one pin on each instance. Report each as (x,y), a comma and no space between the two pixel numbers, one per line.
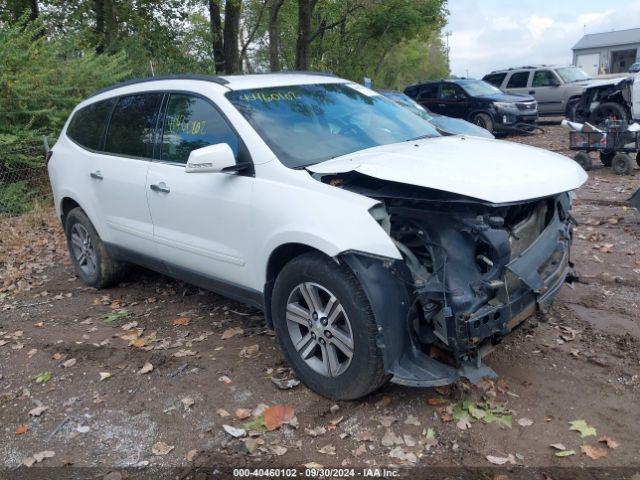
(518,80)
(428,91)
(544,78)
(88,124)
(132,125)
(495,79)
(191,123)
(451,92)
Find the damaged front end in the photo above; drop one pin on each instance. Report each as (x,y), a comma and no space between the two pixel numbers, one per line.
(472,272)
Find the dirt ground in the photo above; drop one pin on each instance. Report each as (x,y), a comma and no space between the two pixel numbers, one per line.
(72,363)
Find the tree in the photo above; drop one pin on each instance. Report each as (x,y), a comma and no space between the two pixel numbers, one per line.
(16,8)
(274,41)
(216,35)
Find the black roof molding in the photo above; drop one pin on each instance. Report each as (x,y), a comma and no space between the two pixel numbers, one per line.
(178,76)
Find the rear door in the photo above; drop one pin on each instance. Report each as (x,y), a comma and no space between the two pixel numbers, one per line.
(201,221)
(453,102)
(428,96)
(119,174)
(518,82)
(545,87)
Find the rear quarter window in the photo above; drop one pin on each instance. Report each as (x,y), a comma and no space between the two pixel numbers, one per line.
(88,124)
(495,79)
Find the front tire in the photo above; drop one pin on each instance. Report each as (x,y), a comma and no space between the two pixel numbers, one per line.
(483,120)
(584,160)
(89,256)
(325,326)
(607,110)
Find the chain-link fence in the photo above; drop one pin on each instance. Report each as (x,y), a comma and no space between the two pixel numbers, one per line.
(23,180)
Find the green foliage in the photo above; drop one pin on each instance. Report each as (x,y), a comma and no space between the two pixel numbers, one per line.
(15,198)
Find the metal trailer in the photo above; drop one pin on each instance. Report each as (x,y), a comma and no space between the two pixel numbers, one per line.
(614,143)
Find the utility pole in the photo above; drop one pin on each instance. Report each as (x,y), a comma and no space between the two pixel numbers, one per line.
(447,35)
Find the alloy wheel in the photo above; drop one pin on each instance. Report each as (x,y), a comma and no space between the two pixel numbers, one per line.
(319,329)
(83,250)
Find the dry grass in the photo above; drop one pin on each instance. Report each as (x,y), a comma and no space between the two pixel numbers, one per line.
(28,244)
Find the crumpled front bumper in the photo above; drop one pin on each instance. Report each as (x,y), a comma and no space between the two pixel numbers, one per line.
(538,272)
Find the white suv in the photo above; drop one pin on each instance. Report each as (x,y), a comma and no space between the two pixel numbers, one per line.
(376,247)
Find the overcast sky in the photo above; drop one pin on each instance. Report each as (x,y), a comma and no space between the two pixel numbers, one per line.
(491,34)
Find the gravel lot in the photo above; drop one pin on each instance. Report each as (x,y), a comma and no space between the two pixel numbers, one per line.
(73,362)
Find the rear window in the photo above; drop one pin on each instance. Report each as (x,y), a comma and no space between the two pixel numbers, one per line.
(518,80)
(87,125)
(132,126)
(495,79)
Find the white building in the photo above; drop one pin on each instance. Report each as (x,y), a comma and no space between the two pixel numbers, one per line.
(607,52)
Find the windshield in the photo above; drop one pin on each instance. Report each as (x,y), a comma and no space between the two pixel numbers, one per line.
(572,74)
(478,88)
(407,102)
(308,124)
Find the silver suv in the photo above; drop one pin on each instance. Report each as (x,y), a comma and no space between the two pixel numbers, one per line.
(557,89)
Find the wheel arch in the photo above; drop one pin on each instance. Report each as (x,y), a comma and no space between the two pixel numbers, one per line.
(278,258)
(66,205)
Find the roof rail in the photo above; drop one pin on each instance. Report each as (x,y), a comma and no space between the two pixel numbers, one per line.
(178,76)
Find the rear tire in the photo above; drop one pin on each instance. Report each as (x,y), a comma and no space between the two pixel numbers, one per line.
(622,164)
(483,120)
(88,254)
(313,275)
(584,160)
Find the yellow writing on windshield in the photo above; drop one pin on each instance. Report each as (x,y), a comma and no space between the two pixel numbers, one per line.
(268,97)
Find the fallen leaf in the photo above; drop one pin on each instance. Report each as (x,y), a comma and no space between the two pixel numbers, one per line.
(364,436)
(409,441)
(401,454)
(161,448)
(411,420)
(315,432)
(361,450)
(234,432)
(22,429)
(224,379)
(104,375)
(277,415)
(594,452)
(242,413)
(57,356)
(32,352)
(36,412)
(129,326)
(501,460)
(146,368)
(37,457)
(82,428)
(431,434)
(250,351)
(525,422)
(188,402)
(278,450)
(284,384)
(182,321)
(463,424)
(44,377)
(390,439)
(610,442)
(312,465)
(191,454)
(231,332)
(68,363)
(435,401)
(582,427)
(565,453)
(558,446)
(184,353)
(39,324)
(138,342)
(386,421)
(222,412)
(327,450)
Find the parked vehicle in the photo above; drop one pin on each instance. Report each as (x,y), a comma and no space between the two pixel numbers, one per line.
(609,99)
(557,89)
(478,102)
(445,125)
(377,248)
(635,67)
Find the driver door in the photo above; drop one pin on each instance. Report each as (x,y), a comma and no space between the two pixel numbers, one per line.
(200,220)
(545,88)
(453,101)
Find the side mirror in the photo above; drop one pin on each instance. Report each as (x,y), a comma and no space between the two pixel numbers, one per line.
(211,159)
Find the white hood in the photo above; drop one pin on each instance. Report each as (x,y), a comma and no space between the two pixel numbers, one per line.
(491,170)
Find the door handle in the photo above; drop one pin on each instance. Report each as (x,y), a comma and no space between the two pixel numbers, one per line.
(97,175)
(160,187)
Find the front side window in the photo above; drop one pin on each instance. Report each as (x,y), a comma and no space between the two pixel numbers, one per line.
(544,78)
(87,125)
(191,123)
(451,92)
(308,124)
(132,126)
(518,80)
